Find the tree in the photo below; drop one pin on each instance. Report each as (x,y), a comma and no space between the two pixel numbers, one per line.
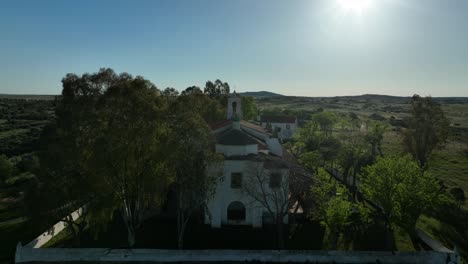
(374,137)
(325,121)
(427,129)
(216,89)
(249,110)
(110,141)
(128,146)
(6,168)
(191,152)
(192,90)
(170,92)
(269,188)
(402,190)
(332,205)
(459,195)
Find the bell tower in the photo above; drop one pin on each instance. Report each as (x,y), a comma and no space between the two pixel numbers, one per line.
(234,110)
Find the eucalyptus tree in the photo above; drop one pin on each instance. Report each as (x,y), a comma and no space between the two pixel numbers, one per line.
(191,154)
(109,145)
(127,161)
(427,128)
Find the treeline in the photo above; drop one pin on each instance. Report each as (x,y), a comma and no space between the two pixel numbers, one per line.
(119,145)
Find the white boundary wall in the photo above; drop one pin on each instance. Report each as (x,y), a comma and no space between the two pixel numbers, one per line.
(43,238)
(24,254)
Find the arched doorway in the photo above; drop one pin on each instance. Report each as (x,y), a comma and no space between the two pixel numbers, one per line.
(236,212)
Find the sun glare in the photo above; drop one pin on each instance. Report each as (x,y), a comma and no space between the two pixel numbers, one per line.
(355,5)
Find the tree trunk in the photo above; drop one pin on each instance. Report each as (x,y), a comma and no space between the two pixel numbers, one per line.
(279,229)
(130,229)
(415,240)
(131,235)
(334,240)
(389,244)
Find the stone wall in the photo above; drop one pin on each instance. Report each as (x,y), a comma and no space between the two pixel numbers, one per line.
(45,255)
(43,238)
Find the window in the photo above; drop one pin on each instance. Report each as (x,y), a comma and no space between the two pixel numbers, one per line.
(288,126)
(275,180)
(236,180)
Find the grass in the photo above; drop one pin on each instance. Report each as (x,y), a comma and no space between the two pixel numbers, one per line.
(11,234)
(450,164)
(13,132)
(447,234)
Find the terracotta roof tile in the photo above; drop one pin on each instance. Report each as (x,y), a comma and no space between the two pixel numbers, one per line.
(277,119)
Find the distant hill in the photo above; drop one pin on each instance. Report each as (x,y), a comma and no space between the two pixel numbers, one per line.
(28,96)
(261,94)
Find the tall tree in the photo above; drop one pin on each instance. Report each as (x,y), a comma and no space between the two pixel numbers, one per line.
(427,128)
(192,90)
(191,152)
(127,159)
(374,137)
(325,121)
(249,110)
(170,92)
(216,89)
(332,205)
(402,190)
(110,140)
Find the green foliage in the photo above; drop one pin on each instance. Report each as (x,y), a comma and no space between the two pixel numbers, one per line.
(458,194)
(427,129)
(6,168)
(249,110)
(216,89)
(374,137)
(325,121)
(401,189)
(190,154)
(192,90)
(170,92)
(332,205)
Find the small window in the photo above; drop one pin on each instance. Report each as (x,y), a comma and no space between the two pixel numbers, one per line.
(288,126)
(275,180)
(236,180)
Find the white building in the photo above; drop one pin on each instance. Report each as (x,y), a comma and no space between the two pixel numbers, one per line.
(283,126)
(254,177)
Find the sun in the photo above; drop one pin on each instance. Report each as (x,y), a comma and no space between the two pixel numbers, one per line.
(355,5)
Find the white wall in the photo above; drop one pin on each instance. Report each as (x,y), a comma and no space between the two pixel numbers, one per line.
(101,255)
(225,195)
(243,150)
(285,132)
(43,238)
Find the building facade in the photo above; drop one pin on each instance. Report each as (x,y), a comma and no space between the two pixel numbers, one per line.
(254,179)
(283,126)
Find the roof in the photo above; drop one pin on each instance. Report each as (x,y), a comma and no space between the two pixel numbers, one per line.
(254,127)
(277,119)
(221,124)
(235,137)
(269,161)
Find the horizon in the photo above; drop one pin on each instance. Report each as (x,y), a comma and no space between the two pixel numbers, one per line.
(302,48)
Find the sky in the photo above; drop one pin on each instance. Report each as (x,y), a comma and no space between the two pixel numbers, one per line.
(292,47)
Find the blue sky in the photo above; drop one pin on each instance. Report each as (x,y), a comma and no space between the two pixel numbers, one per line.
(293,47)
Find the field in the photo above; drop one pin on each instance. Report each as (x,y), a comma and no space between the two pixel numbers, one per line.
(22,118)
